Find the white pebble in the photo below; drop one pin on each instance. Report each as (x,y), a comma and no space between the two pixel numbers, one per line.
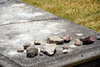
(79,34)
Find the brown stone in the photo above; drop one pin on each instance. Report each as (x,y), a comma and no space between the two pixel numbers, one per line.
(26,45)
(20,50)
(37,42)
(55,39)
(78,42)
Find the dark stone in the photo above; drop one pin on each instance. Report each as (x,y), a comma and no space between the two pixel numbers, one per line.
(26,45)
(31,51)
(88,40)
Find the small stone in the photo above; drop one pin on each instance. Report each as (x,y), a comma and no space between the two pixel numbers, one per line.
(66,38)
(37,42)
(20,50)
(79,34)
(31,51)
(98,36)
(55,39)
(78,42)
(88,40)
(26,45)
(65,51)
(50,49)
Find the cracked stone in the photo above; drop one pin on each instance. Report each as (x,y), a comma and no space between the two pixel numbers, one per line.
(78,42)
(50,49)
(37,42)
(31,51)
(66,38)
(26,45)
(55,39)
(88,40)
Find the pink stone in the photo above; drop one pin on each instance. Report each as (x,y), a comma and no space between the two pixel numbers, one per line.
(66,38)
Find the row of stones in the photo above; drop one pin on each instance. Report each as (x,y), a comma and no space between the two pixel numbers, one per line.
(53,41)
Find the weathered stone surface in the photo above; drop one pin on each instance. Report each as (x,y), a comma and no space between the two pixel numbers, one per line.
(55,39)
(20,50)
(26,45)
(31,51)
(66,38)
(20,24)
(50,49)
(37,42)
(65,47)
(88,40)
(98,36)
(78,42)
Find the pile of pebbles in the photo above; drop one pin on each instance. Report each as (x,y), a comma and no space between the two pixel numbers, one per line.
(52,42)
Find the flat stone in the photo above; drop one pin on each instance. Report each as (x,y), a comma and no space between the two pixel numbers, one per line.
(98,36)
(26,45)
(78,42)
(20,50)
(55,39)
(31,51)
(66,38)
(37,42)
(50,49)
(88,40)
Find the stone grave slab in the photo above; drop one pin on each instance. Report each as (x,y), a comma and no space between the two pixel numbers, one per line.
(21,23)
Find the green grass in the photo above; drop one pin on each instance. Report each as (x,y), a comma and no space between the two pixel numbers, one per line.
(83,12)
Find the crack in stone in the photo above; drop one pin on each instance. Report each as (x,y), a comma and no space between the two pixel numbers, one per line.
(2,57)
(31,21)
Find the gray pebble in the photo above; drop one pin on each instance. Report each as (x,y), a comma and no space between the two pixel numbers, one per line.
(31,51)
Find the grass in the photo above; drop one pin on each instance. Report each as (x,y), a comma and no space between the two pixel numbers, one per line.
(83,12)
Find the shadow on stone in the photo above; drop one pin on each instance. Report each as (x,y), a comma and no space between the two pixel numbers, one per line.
(31,56)
(87,43)
(1,65)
